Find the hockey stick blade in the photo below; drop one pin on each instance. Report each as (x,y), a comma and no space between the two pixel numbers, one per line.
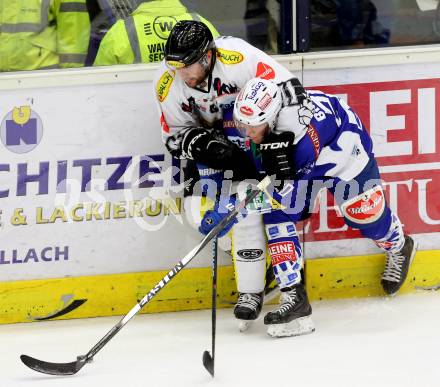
(73,367)
(208,362)
(54,368)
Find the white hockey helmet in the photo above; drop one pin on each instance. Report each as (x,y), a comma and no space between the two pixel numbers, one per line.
(258,102)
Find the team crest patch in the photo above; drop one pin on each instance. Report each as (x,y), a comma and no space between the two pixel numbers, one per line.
(164,84)
(366,207)
(229,57)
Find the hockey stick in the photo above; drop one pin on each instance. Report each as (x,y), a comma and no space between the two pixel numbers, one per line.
(73,367)
(208,359)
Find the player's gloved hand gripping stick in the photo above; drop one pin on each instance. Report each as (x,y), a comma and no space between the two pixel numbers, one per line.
(73,367)
(221,209)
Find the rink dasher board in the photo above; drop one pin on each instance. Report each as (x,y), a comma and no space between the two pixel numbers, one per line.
(112,110)
(116,294)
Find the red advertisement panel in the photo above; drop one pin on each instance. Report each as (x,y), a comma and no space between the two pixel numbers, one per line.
(403,120)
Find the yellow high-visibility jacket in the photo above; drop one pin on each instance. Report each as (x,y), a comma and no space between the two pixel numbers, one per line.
(42,34)
(141,37)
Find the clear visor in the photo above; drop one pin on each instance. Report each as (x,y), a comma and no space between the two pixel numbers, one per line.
(256,133)
(178,65)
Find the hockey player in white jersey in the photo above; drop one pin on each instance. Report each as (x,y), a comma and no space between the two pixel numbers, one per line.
(196,86)
(335,151)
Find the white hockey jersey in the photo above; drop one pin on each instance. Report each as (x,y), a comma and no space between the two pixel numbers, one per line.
(236,62)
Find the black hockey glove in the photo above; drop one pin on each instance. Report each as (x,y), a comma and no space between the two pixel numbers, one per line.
(293,93)
(190,177)
(211,148)
(277,155)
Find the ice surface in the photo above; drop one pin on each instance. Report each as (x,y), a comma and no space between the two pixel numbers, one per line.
(364,342)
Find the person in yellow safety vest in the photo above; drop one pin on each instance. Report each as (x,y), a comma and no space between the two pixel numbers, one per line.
(43,34)
(141,37)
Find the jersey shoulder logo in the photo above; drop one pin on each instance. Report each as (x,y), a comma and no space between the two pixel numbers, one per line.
(229,57)
(163,124)
(264,71)
(164,85)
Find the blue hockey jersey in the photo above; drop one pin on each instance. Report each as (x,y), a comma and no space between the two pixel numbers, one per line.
(335,144)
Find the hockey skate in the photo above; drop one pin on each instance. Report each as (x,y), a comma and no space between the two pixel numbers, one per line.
(248,308)
(397,265)
(271,291)
(293,316)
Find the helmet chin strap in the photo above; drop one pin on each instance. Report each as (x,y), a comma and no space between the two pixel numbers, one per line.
(204,62)
(213,58)
(268,130)
(208,67)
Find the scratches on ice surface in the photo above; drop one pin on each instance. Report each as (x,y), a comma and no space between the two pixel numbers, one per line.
(358,342)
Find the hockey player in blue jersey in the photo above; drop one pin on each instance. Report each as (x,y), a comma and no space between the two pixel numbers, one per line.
(196,86)
(331,150)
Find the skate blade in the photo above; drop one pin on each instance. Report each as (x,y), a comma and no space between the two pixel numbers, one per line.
(300,326)
(413,253)
(243,325)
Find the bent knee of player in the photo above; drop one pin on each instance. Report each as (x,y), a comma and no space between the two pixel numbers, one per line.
(249,254)
(250,229)
(368,212)
(281,216)
(195,206)
(192,206)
